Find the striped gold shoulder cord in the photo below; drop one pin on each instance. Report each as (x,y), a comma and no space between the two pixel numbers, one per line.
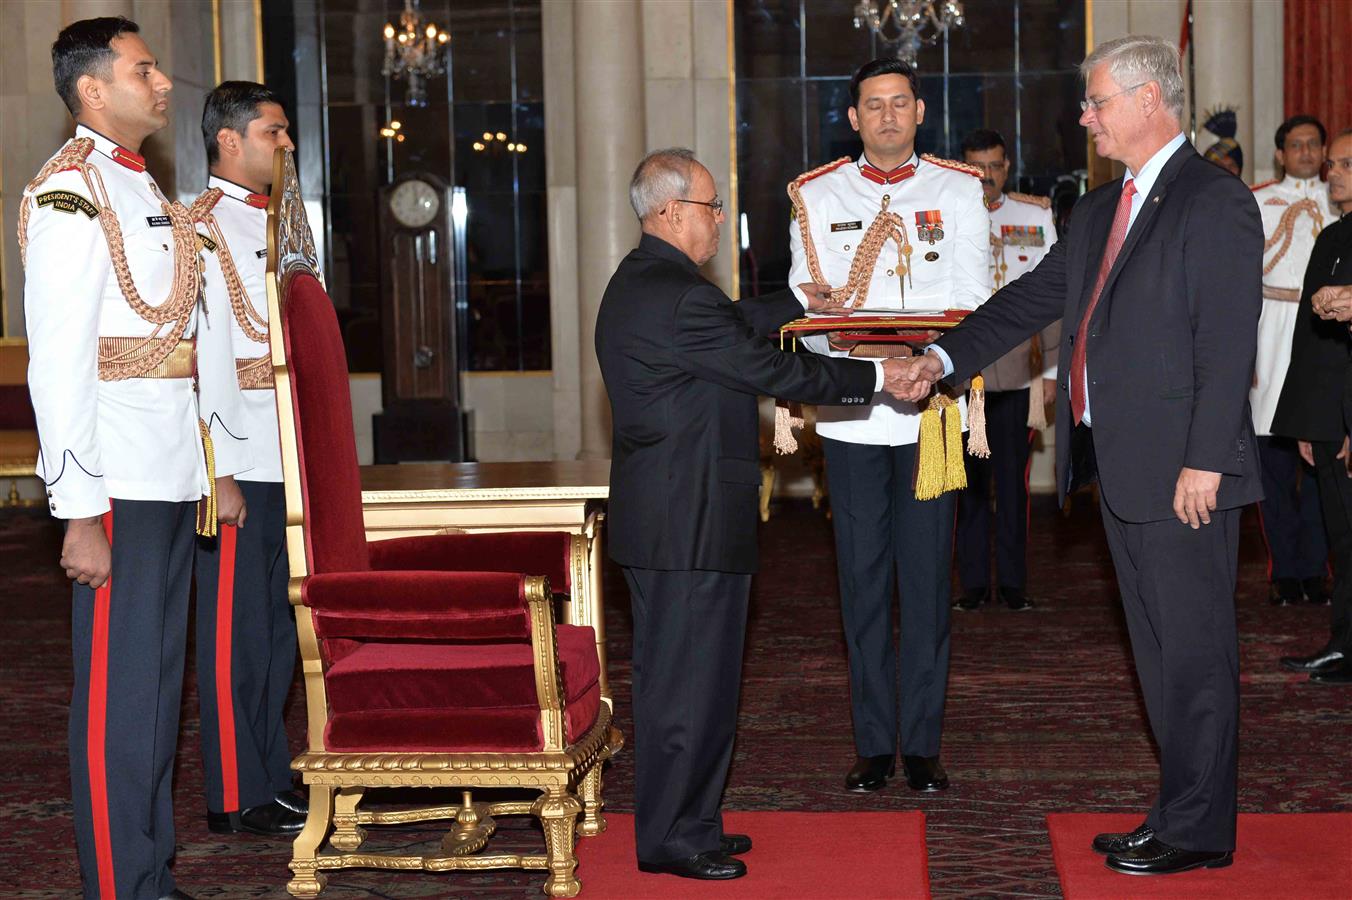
(251,373)
(1286,230)
(138,357)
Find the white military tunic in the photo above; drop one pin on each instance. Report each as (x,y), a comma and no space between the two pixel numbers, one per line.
(951,273)
(1022,232)
(1284,267)
(234,414)
(133,439)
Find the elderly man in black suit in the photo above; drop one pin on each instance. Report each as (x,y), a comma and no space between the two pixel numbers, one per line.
(683,366)
(1160,284)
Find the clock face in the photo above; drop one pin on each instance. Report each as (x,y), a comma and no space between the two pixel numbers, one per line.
(414,203)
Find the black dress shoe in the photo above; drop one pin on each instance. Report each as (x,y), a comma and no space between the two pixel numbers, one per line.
(1121,842)
(1155,857)
(1315,591)
(870,773)
(294,800)
(1285,592)
(972,600)
(925,773)
(270,820)
(1316,662)
(734,844)
(1338,675)
(1015,599)
(711,866)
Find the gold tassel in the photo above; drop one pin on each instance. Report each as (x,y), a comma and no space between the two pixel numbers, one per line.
(206,507)
(1037,411)
(977,445)
(929,473)
(955,473)
(785,422)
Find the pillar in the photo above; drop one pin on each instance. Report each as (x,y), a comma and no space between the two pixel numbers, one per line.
(607,54)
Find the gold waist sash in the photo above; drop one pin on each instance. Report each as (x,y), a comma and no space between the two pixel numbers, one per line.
(116,354)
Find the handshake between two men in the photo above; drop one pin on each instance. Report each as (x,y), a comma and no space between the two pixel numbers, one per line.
(907,376)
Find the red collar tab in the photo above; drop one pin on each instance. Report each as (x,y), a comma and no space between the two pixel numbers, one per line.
(878,176)
(125,157)
(992,207)
(257,201)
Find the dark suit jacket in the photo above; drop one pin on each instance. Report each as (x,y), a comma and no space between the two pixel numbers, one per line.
(683,366)
(1311,404)
(1171,342)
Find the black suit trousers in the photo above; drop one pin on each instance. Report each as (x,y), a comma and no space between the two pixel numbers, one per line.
(129,638)
(1178,596)
(246,654)
(1335,495)
(1292,525)
(689,630)
(1006,471)
(886,541)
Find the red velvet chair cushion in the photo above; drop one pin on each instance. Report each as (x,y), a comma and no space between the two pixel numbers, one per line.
(530,552)
(483,606)
(334,534)
(409,697)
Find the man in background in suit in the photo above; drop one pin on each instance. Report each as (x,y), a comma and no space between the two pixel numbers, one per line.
(683,366)
(1160,285)
(1312,408)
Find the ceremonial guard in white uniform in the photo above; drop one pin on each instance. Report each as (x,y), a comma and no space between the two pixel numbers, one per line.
(935,257)
(1022,231)
(1294,209)
(111,297)
(246,633)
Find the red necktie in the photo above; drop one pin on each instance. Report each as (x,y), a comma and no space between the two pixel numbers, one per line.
(1079,387)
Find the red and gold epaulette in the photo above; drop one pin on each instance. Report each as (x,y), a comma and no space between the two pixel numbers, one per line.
(205,203)
(953,164)
(72,157)
(820,171)
(1261,185)
(1031,199)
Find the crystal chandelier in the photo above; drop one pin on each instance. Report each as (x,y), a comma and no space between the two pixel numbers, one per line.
(414,52)
(904,23)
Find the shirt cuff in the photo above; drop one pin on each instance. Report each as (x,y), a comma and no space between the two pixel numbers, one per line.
(878,381)
(1049,372)
(802,298)
(943,357)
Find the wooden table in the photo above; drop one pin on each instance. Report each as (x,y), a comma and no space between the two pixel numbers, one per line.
(556,495)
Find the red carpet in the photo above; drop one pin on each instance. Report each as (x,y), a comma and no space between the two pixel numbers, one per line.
(1305,856)
(861,855)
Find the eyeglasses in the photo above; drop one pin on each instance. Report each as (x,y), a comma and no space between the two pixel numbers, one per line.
(715,204)
(1096,105)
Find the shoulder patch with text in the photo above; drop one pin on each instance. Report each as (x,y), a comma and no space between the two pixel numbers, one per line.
(68,202)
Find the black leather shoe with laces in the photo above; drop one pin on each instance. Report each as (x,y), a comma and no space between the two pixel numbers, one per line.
(1121,842)
(870,773)
(268,819)
(734,844)
(925,773)
(711,866)
(1155,857)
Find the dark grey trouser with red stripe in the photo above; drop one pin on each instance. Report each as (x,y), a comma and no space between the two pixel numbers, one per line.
(128,640)
(246,654)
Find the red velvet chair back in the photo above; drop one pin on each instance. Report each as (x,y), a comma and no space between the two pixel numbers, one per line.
(335,539)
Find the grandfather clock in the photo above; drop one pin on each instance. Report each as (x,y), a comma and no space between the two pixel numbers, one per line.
(422,419)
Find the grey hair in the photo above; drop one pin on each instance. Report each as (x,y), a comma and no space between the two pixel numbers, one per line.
(662,176)
(1140,58)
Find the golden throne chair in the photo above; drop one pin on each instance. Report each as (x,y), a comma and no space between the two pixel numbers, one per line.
(430,661)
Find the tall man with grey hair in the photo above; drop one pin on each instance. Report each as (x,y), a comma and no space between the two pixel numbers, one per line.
(1160,288)
(683,366)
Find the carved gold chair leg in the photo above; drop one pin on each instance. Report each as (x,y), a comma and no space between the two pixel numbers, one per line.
(307,880)
(347,834)
(557,810)
(767,491)
(593,820)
